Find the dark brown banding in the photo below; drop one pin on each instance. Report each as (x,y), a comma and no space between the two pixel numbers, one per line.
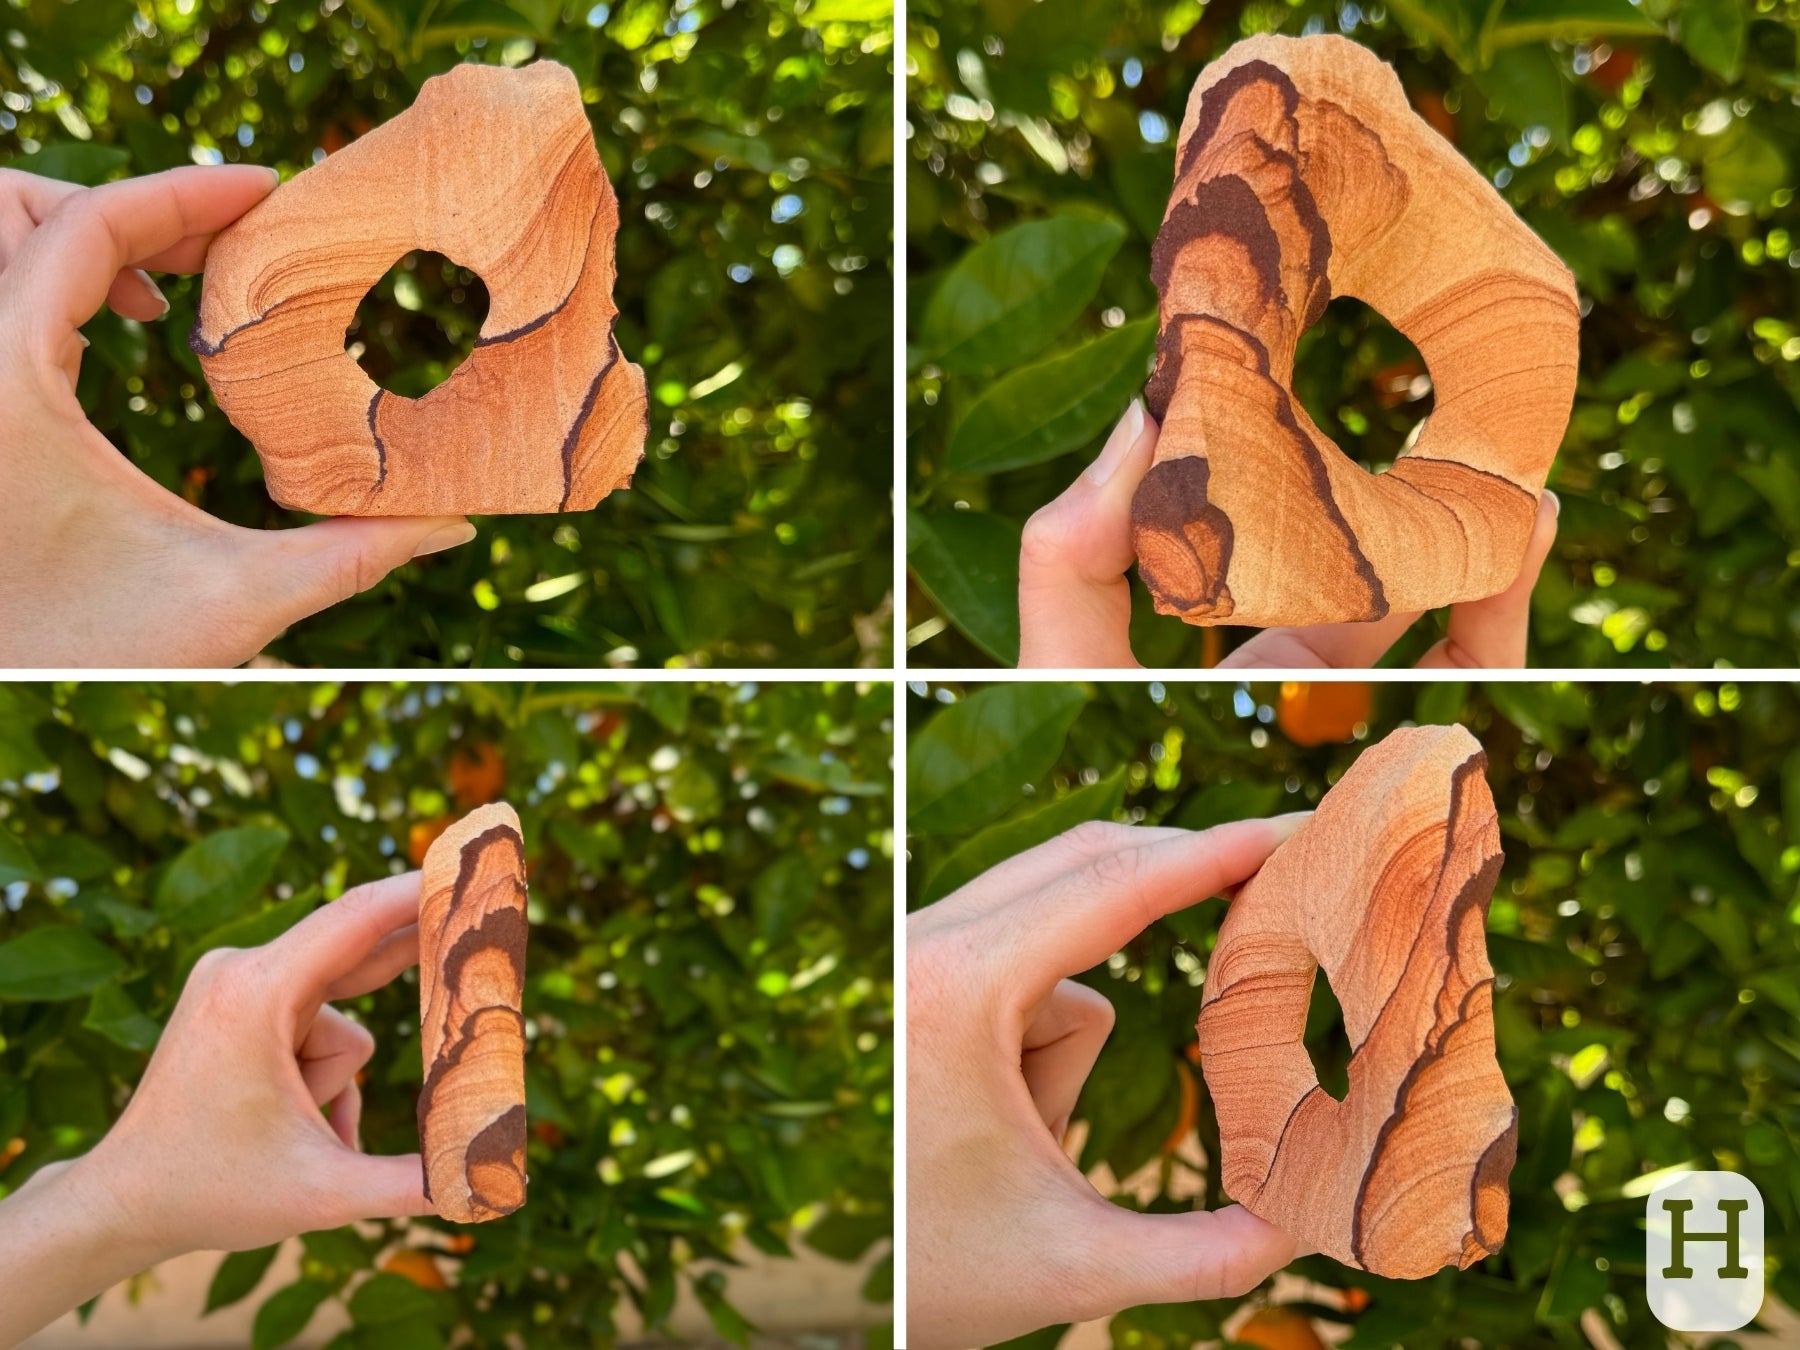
(1225,208)
(500,1147)
(1218,101)
(573,439)
(380,446)
(1183,543)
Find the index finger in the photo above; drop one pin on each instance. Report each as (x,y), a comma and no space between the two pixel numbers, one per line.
(323,953)
(60,276)
(1077,921)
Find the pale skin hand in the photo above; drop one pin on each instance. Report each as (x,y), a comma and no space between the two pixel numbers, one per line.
(243,1130)
(1005,1235)
(1075,600)
(102,567)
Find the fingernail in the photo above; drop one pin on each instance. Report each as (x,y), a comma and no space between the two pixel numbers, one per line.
(1118,445)
(155,290)
(448,536)
(1555,502)
(1285,825)
(274,175)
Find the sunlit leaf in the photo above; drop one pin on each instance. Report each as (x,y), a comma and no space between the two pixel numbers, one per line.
(1055,405)
(974,759)
(968,563)
(54,962)
(1007,299)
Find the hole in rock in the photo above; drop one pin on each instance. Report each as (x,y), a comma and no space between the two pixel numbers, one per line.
(1362,382)
(418,323)
(1326,1041)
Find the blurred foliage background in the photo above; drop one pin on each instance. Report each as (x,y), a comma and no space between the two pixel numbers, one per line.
(751,147)
(1653,144)
(709,986)
(1645,933)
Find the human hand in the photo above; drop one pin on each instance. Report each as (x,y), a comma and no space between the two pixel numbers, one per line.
(103,566)
(1004,1233)
(243,1129)
(1075,600)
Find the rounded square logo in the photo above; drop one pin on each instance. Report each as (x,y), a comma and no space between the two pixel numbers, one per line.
(1704,1250)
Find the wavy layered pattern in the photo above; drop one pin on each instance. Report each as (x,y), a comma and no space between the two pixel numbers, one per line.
(1304,175)
(472,933)
(1387,889)
(496,170)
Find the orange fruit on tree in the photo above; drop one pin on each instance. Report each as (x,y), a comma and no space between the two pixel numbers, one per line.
(1279,1329)
(423,835)
(477,775)
(409,1263)
(1317,714)
(1431,106)
(1189,1116)
(1612,73)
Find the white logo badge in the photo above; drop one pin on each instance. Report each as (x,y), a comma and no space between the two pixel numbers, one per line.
(1704,1249)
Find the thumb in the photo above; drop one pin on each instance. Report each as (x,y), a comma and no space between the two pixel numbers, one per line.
(294,573)
(1074,599)
(1492,632)
(370,1187)
(1180,1258)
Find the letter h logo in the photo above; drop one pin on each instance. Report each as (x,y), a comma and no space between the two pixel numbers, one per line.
(1705,1278)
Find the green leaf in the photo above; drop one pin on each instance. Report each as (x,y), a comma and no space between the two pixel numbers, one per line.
(847,11)
(1047,1338)
(1713,32)
(1547,20)
(238,1274)
(1008,838)
(340,1251)
(968,563)
(127,921)
(479,19)
(878,1287)
(1007,299)
(1524,87)
(112,1014)
(22,711)
(72,855)
(286,1313)
(1532,962)
(972,761)
(635,22)
(1053,406)
(782,894)
(1743,168)
(16,863)
(726,1319)
(212,880)
(1544,712)
(1574,1286)
(53,963)
(386,1298)
(84,162)
(845,1237)
(253,930)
